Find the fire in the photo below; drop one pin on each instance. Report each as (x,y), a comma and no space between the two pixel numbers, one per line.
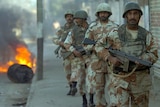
(22,56)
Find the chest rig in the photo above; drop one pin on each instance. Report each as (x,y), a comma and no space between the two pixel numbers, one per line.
(65,30)
(131,46)
(78,35)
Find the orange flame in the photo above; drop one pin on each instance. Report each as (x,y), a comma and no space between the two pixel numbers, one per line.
(23,56)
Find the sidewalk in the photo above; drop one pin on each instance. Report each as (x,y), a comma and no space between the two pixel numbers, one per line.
(51,90)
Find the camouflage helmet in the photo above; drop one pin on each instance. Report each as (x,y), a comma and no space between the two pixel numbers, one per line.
(81,14)
(131,6)
(103,7)
(71,12)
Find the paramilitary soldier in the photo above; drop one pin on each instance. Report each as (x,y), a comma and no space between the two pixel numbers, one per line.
(97,68)
(73,43)
(129,80)
(59,40)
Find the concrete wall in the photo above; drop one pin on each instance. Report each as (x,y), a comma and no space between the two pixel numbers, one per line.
(155,29)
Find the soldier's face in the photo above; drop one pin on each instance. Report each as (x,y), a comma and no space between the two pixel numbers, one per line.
(78,21)
(103,16)
(69,18)
(133,17)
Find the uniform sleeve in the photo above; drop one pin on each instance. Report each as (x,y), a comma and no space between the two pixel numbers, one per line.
(57,38)
(68,42)
(151,53)
(111,39)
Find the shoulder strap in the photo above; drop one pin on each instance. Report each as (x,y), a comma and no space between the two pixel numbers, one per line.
(122,32)
(142,34)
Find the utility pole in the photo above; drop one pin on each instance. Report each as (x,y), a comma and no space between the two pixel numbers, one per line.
(39,69)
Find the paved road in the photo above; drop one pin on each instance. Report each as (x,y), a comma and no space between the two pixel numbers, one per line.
(12,94)
(51,91)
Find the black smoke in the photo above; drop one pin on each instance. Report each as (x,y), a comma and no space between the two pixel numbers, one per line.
(11,19)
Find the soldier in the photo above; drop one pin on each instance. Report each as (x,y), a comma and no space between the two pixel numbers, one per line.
(97,67)
(73,43)
(130,81)
(59,39)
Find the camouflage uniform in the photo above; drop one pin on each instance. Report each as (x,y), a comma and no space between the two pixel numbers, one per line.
(61,35)
(72,42)
(134,88)
(97,69)
(77,63)
(131,88)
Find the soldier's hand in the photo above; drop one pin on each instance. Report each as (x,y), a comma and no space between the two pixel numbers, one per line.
(76,53)
(114,60)
(61,44)
(137,63)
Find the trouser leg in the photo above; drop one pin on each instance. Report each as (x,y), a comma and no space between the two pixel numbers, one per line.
(84,99)
(91,100)
(74,88)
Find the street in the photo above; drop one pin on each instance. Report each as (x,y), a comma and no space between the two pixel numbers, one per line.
(51,90)
(12,94)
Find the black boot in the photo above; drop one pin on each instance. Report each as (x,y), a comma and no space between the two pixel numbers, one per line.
(91,100)
(74,89)
(84,104)
(69,93)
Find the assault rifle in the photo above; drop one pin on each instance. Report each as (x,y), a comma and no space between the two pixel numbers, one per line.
(88,41)
(132,58)
(78,48)
(56,50)
(119,53)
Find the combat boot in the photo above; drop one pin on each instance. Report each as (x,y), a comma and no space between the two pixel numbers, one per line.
(74,89)
(69,93)
(91,100)
(84,99)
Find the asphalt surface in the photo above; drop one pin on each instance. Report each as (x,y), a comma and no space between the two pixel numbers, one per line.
(51,90)
(13,94)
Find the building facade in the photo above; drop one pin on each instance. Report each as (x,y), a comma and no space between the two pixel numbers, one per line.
(154,25)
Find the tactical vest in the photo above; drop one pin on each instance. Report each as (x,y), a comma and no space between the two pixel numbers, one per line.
(78,35)
(133,46)
(66,30)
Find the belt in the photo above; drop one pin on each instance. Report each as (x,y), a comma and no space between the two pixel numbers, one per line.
(119,69)
(142,69)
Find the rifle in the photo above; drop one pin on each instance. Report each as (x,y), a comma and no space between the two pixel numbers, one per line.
(65,54)
(131,58)
(119,53)
(88,41)
(56,50)
(78,48)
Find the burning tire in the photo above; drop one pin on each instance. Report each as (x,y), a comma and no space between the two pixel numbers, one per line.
(20,73)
